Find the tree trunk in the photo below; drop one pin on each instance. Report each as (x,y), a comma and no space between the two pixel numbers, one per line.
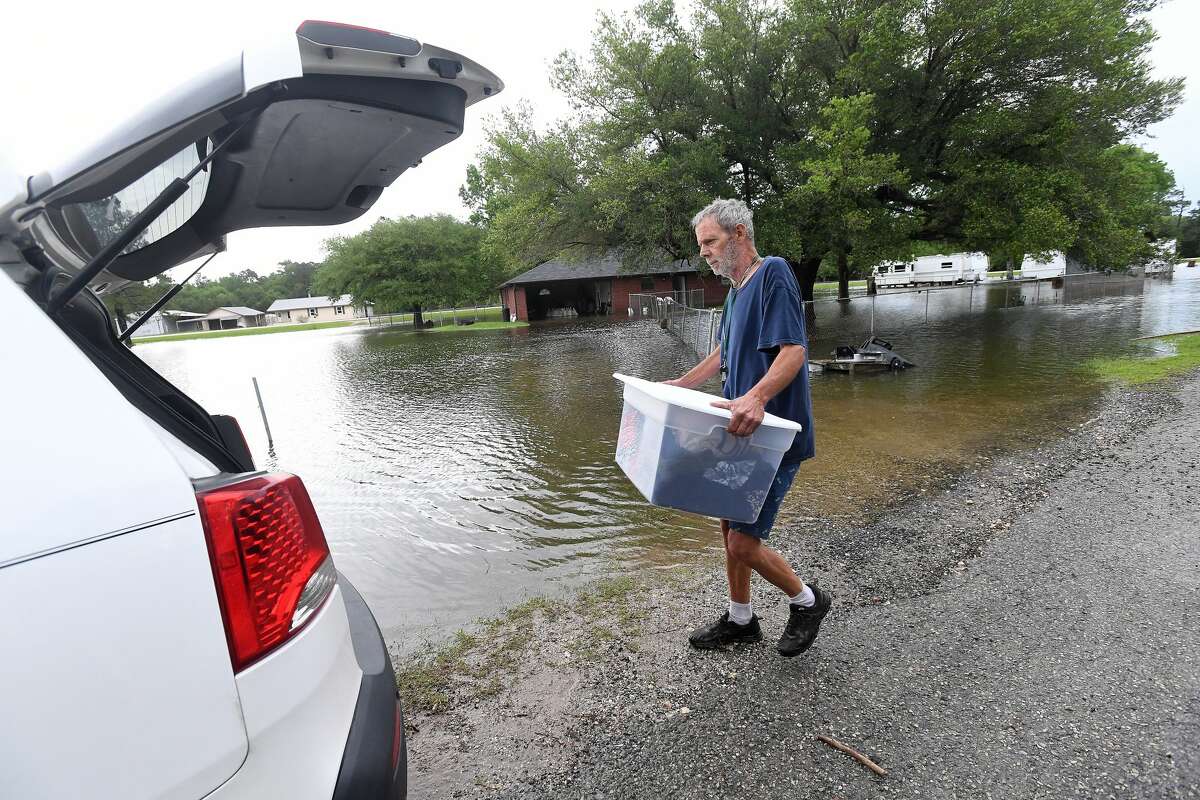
(418,320)
(122,324)
(805,271)
(843,263)
(1008,266)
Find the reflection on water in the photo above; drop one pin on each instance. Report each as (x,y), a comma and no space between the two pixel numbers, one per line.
(454,474)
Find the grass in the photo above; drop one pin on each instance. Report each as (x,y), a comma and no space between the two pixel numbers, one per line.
(1146,369)
(478,326)
(179,337)
(831,285)
(476,665)
(481,314)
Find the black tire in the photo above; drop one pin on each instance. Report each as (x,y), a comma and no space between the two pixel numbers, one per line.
(895,365)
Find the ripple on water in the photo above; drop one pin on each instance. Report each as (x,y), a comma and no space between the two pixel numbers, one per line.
(456,473)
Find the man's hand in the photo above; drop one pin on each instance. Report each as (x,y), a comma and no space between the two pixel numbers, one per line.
(747,413)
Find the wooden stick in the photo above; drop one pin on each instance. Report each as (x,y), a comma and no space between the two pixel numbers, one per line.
(850,751)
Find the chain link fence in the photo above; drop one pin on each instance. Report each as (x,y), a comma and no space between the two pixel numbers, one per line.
(699,328)
(695,326)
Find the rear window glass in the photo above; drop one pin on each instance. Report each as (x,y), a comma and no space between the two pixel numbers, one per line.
(98,222)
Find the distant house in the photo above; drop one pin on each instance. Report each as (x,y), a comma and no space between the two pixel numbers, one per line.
(224,318)
(164,322)
(317,309)
(599,286)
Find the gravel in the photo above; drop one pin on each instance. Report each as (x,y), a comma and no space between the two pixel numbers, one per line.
(1027,630)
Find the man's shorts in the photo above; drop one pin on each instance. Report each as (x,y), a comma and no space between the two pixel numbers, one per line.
(761,527)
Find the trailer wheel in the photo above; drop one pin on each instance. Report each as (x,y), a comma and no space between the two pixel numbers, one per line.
(894,365)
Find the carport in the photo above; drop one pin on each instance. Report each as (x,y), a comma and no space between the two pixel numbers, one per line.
(597,286)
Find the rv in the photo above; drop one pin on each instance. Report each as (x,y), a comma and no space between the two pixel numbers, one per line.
(930,270)
(1053,267)
(894,274)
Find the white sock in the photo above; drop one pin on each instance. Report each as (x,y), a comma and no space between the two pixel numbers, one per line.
(805,599)
(741,613)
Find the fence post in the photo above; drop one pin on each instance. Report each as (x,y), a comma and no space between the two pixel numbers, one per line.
(926,308)
(263,411)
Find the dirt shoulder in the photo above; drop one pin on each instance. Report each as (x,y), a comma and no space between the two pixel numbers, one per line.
(1027,629)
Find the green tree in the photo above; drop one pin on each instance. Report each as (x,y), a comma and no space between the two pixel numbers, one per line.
(411,263)
(991,125)
(136,297)
(840,195)
(1189,235)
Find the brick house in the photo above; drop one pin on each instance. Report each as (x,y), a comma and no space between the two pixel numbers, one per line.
(599,286)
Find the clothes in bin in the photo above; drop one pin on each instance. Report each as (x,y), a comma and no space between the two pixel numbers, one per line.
(676,450)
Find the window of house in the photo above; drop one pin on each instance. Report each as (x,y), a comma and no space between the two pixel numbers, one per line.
(312,312)
(647,284)
(339,309)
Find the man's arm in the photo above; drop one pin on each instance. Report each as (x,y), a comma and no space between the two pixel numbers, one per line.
(748,409)
(700,373)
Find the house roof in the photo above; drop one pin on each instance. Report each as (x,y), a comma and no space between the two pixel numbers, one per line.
(241,311)
(293,303)
(181,314)
(608,266)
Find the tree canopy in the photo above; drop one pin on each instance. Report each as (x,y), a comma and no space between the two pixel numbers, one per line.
(856,129)
(243,288)
(410,263)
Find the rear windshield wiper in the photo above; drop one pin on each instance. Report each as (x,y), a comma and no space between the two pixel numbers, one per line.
(175,189)
(166,298)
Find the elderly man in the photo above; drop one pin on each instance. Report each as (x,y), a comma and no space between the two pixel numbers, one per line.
(761,359)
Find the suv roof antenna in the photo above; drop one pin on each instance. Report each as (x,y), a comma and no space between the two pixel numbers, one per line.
(166,298)
(141,222)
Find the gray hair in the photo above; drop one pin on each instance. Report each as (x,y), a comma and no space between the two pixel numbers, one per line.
(728,214)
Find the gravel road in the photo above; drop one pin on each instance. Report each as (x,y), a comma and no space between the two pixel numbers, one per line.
(1029,630)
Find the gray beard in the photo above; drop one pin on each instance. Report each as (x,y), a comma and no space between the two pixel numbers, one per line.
(724,265)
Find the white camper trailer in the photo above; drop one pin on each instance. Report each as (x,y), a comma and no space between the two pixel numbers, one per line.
(930,270)
(893,274)
(1053,267)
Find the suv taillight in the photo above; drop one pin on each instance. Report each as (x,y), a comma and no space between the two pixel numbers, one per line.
(270,560)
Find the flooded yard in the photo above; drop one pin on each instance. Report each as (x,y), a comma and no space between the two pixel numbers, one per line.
(456,474)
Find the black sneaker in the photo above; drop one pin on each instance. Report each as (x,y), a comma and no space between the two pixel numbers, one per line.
(723,633)
(803,625)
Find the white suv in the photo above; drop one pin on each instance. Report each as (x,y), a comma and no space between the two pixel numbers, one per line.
(172,621)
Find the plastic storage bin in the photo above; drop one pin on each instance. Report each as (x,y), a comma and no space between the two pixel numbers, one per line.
(674,446)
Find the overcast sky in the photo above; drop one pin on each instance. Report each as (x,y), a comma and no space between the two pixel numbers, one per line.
(77,69)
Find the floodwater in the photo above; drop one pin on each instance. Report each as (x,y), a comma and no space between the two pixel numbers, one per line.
(459,473)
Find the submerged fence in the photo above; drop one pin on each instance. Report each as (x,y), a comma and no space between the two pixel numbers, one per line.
(441,316)
(681,313)
(699,328)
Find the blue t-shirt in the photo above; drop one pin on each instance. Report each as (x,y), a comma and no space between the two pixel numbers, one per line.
(764,314)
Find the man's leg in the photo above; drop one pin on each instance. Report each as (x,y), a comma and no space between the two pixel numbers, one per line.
(738,624)
(736,570)
(807,605)
(805,611)
(749,552)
